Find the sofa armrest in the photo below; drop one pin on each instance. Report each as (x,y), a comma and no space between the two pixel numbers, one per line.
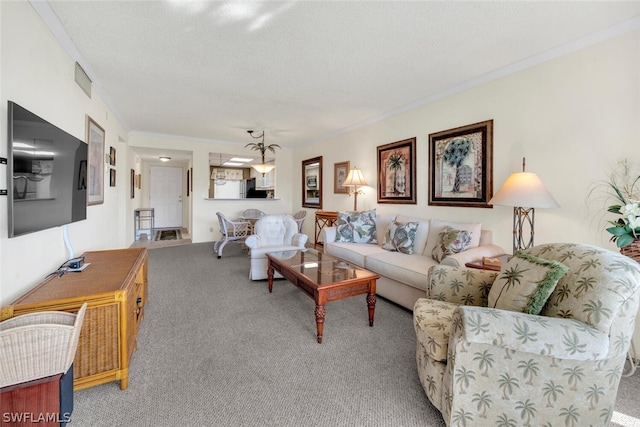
(459,285)
(473,254)
(328,234)
(555,337)
(299,240)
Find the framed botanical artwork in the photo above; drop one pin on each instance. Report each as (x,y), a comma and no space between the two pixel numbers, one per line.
(340,172)
(95,139)
(397,172)
(112,177)
(461,166)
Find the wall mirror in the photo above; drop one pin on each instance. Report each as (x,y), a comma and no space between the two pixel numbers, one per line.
(312,183)
(232,177)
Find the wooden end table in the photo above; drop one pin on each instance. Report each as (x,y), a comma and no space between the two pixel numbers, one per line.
(324,278)
(479,265)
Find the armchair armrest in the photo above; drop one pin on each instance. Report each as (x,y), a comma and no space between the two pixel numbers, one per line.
(459,285)
(555,337)
(299,240)
(253,241)
(473,254)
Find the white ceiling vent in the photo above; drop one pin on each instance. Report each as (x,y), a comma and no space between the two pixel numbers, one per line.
(83,80)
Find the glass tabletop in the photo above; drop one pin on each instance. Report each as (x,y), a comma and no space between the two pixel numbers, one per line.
(319,267)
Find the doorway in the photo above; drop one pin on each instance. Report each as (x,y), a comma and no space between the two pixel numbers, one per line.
(165,193)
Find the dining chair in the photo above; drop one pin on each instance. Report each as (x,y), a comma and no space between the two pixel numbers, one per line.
(232,231)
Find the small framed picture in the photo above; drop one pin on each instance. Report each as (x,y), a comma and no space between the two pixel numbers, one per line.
(340,172)
(112,156)
(133,183)
(312,181)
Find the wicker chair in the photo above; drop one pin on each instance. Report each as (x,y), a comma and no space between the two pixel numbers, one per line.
(232,231)
(252,213)
(299,217)
(38,345)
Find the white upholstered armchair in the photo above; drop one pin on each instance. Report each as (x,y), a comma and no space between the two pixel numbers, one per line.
(484,365)
(272,233)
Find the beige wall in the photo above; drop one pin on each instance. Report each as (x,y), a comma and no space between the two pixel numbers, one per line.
(572,118)
(38,74)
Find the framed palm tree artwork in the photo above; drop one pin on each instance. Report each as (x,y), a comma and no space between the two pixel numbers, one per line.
(461,166)
(397,172)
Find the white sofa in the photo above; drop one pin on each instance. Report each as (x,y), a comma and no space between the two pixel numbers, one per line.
(404,277)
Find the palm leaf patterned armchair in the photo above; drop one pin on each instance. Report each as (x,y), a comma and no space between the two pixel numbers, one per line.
(486,366)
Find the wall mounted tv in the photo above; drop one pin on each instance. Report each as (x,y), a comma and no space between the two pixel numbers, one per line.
(46,174)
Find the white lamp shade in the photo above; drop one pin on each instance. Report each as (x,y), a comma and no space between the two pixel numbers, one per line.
(354,178)
(524,189)
(264,168)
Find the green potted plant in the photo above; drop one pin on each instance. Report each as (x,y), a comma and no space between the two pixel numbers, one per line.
(624,187)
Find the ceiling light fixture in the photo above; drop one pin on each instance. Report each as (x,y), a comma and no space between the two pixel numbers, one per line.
(219,175)
(263,168)
(164,158)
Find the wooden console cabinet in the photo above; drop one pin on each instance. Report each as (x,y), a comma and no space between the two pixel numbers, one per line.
(114,286)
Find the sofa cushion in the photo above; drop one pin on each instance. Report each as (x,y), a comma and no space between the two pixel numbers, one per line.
(356,227)
(436,226)
(432,324)
(354,253)
(421,233)
(526,283)
(400,237)
(408,269)
(451,241)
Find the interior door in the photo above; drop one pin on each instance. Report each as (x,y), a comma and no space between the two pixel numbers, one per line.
(166,196)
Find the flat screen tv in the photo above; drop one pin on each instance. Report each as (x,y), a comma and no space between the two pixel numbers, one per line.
(46,174)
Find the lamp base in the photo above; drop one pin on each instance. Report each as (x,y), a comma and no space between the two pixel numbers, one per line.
(522,218)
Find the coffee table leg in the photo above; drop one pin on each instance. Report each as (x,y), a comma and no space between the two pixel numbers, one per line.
(371,303)
(320,321)
(270,276)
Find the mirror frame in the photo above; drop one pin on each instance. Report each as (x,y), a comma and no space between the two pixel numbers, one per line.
(305,203)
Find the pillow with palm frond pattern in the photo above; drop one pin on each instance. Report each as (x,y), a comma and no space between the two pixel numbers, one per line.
(526,283)
(451,241)
(356,227)
(400,237)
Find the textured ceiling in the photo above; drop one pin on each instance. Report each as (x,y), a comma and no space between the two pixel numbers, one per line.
(303,71)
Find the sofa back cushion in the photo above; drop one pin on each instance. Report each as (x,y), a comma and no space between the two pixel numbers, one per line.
(421,233)
(436,226)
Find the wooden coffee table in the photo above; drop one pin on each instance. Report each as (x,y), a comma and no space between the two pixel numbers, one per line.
(324,278)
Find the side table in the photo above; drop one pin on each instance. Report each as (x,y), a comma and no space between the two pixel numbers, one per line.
(323,219)
(142,217)
(481,266)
